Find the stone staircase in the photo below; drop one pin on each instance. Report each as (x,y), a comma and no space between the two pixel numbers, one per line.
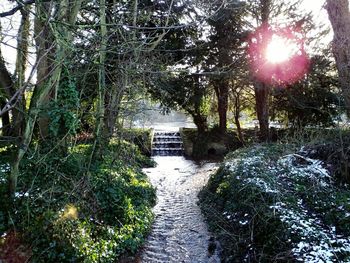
(167,144)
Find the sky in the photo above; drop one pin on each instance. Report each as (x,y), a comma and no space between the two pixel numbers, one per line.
(9,28)
(316,6)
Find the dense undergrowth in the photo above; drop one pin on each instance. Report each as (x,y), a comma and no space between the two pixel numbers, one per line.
(140,137)
(210,143)
(214,143)
(281,203)
(66,211)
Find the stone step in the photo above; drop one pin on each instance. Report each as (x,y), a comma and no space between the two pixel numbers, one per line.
(167,153)
(167,139)
(167,149)
(166,136)
(167,133)
(167,144)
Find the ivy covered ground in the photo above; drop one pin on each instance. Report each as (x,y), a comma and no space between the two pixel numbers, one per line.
(66,211)
(273,203)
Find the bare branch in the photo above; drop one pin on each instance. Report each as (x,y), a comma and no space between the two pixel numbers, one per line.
(17,8)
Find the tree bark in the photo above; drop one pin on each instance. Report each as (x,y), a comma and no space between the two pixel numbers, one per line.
(200,146)
(41,91)
(100,112)
(221,91)
(6,83)
(21,62)
(237,112)
(6,92)
(112,108)
(261,89)
(262,92)
(44,49)
(239,129)
(53,47)
(118,79)
(339,16)
(5,120)
(201,122)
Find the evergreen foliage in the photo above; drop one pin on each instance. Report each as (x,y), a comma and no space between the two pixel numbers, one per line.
(313,100)
(65,213)
(271,203)
(71,185)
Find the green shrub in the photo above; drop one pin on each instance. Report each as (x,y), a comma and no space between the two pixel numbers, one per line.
(142,138)
(273,205)
(68,213)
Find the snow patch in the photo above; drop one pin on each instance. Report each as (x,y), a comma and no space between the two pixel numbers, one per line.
(21,194)
(260,183)
(312,241)
(4,168)
(303,167)
(318,243)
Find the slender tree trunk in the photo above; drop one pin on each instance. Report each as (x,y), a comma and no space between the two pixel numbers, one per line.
(262,92)
(100,111)
(239,129)
(339,16)
(200,143)
(261,89)
(21,62)
(45,49)
(6,83)
(111,112)
(201,122)
(221,90)
(42,91)
(53,44)
(237,112)
(5,120)
(112,108)
(6,91)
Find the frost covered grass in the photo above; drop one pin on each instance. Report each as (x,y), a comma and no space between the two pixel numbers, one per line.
(273,203)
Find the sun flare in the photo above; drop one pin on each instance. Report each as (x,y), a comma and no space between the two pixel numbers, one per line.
(280,49)
(277,56)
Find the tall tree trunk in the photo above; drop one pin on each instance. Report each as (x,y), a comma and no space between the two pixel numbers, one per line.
(261,89)
(239,129)
(262,92)
(201,122)
(7,90)
(221,90)
(5,120)
(45,49)
(114,94)
(6,83)
(21,62)
(200,147)
(339,15)
(112,108)
(53,42)
(42,91)
(111,111)
(100,111)
(237,112)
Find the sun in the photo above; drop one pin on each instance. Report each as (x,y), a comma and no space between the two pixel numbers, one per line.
(280,49)
(277,55)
